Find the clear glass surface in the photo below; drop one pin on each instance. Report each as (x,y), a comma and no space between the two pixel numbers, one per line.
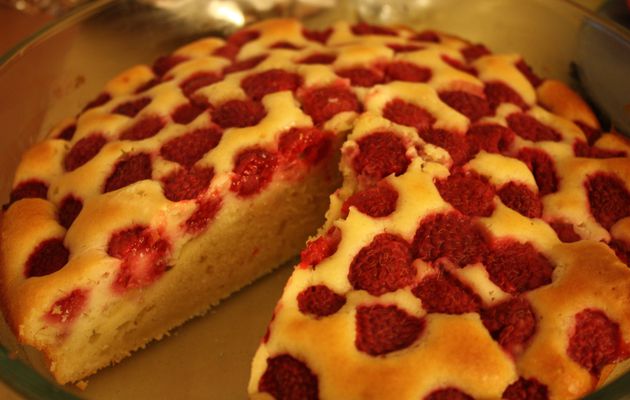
(54,73)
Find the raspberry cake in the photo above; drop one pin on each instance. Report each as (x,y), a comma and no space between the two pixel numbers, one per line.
(184,181)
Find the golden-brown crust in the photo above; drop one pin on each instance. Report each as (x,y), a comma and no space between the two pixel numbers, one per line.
(560,99)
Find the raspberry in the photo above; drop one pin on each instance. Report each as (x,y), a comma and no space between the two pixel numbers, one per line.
(191,147)
(197,81)
(474,107)
(147,85)
(186,184)
(380,154)
(404,48)
(143,129)
(455,144)
(253,169)
(468,192)
(243,37)
(321,248)
(582,149)
(377,201)
(474,51)
(365,77)
(526,389)
(459,65)
(205,212)
(68,308)
(511,323)
(404,113)
(622,250)
(287,378)
(143,254)
(451,235)
(520,198)
(49,256)
(69,210)
(132,108)
(442,293)
(284,45)
(98,101)
(592,134)
(530,128)
(317,36)
(517,267)
(67,133)
(529,73)
(165,63)
(228,51)
(406,71)
(427,36)
(186,113)
(492,138)
(595,341)
(319,58)
(320,301)
(366,29)
(309,144)
(324,103)
(499,92)
(83,151)
(565,231)
(382,266)
(261,84)
(608,198)
(245,64)
(129,170)
(31,189)
(384,329)
(448,394)
(543,168)
(238,114)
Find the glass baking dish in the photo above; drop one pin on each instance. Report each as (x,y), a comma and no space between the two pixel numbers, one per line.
(54,73)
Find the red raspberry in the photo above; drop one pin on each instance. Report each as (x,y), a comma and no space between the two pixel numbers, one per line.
(608,197)
(384,329)
(287,378)
(245,64)
(321,248)
(143,129)
(165,63)
(31,189)
(520,198)
(511,323)
(49,256)
(526,389)
(132,108)
(238,114)
(382,266)
(243,37)
(474,107)
(499,92)
(459,65)
(582,149)
(143,254)
(67,133)
(451,235)
(261,84)
(147,85)
(83,151)
(442,293)
(448,394)
(377,201)
(474,51)
(100,100)
(284,45)
(186,113)
(427,36)
(320,301)
(404,113)
(565,231)
(380,154)
(69,210)
(324,103)
(129,170)
(197,81)
(68,308)
(366,29)
(517,267)
(319,58)
(592,134)
(595,341)
(317,36)
(404,48)
(187,184)
(468,192)
(191,147)
(529,73)
(622,250)
(543,168)
(406,71)
(490,137)
(530,128)
(454,143)
(365,77)
(309,144)
(253,169)
(205,212)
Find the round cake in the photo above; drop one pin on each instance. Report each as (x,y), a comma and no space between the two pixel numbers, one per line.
(474,220)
